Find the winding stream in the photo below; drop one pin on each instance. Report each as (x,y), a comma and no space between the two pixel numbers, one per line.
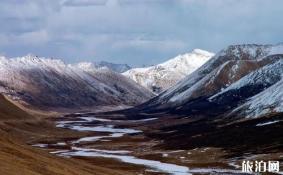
(121,155)
(109,131)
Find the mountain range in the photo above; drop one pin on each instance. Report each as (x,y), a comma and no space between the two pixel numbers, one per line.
(228,108)
(240,80)
(232,102)
(48,83)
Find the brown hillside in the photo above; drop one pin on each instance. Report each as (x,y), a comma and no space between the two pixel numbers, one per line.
(9,111)
(17,158)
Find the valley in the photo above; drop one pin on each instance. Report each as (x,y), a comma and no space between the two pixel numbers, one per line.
(150,149)
(141,87)
(92,120)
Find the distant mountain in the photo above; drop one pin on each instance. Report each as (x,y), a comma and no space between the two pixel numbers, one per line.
(163,76)
(120,68)
(239,81)
(44,82)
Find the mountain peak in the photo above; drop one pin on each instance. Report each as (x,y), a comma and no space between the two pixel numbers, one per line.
(162,76)
(86,66)
(31,57)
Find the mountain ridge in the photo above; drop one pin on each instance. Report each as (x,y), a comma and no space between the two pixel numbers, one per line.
(163,76)
(196,94)
(49,82)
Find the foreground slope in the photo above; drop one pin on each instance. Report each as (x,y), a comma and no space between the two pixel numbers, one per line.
(18,158)
(15,158)
(49,83)
(8,111)
(163,76)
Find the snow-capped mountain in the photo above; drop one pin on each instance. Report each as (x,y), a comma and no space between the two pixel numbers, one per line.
(163,76)
(239,81)
(45,82)
(120,68)
(183,89)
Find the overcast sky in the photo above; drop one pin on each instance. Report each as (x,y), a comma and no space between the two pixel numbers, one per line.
(136,32)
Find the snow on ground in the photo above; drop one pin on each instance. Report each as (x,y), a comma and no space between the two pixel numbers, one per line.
(153,164)
(268,123)
(121,155)
(40,145)
(156,165)
(101,151)
(91,119)
(116,154)
(106,128)
(97,138)
(269,100)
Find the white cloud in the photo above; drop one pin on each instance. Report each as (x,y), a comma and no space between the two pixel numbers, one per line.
(134,30)
(160,45)
(34,38)
(84,2)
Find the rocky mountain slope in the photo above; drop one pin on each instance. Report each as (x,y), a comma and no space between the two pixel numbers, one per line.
(44,82)
(162,76)
(239,81)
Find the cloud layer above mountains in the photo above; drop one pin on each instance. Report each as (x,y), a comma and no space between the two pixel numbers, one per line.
(134,31)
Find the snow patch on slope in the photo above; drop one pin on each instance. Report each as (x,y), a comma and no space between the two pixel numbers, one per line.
(268,101)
